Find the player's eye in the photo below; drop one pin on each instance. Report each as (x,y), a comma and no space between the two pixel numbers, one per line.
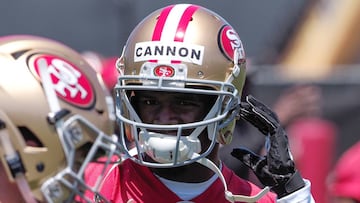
(148,101)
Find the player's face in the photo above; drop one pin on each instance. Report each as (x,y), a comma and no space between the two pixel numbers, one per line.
(170,108)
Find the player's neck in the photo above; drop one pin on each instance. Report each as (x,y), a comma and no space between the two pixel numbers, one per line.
(192,173)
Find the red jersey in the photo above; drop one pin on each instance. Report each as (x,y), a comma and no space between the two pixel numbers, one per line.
(131,182)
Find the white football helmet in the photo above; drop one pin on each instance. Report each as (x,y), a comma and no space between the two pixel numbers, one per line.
(55,118)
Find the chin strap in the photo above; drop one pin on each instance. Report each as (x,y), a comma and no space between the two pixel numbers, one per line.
(16,166)
(228,195)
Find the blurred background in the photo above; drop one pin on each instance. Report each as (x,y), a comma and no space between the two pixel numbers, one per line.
(287,43)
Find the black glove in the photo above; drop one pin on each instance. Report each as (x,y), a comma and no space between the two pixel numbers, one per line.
(277,168)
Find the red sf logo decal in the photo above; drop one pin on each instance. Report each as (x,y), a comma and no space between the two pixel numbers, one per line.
(229,40)
(69,82)
(164,71)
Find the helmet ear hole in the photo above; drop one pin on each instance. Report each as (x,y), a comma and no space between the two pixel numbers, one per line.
(30,138)
(225,135)
(225,138)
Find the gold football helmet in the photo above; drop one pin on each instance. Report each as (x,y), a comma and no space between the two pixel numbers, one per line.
(188,49)
(181,48)
(56,117)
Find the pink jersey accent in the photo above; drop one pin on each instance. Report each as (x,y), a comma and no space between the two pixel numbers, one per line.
(131,181)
